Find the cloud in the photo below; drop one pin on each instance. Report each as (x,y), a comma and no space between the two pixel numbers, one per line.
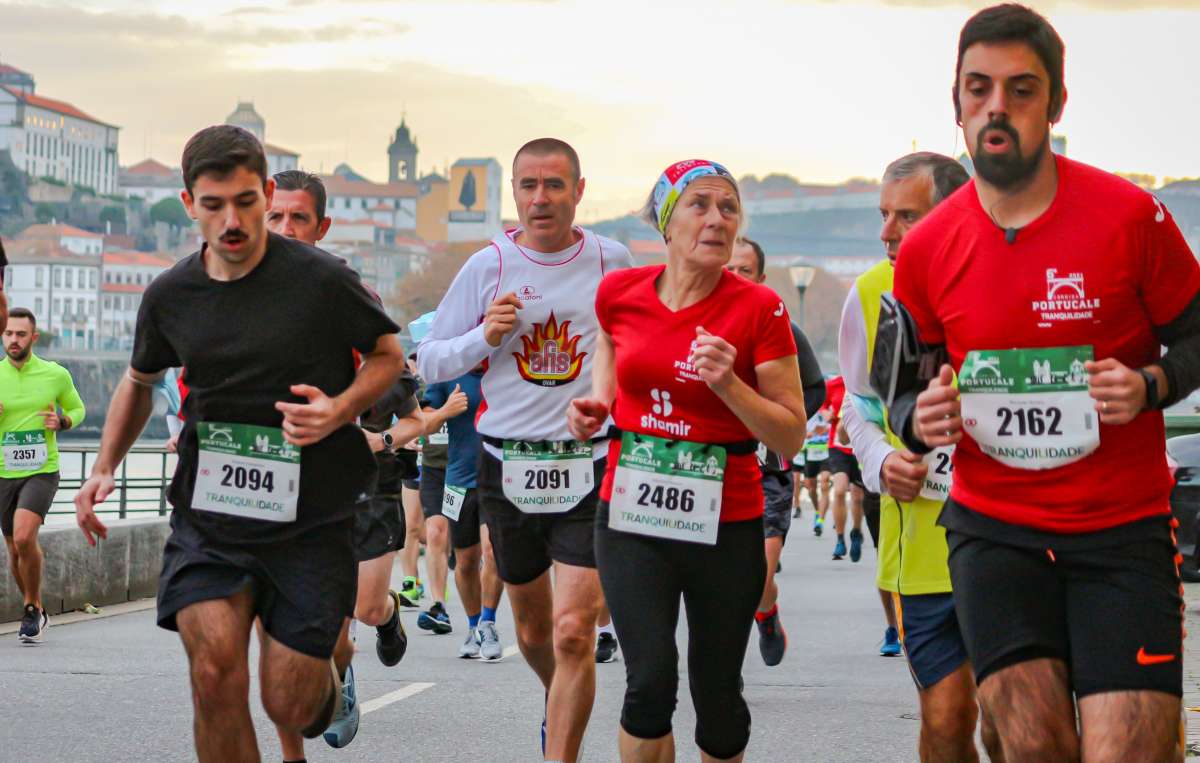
(1042,5)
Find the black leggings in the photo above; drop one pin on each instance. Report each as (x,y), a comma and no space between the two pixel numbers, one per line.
(643,579)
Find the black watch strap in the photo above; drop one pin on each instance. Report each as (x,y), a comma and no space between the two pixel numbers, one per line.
(1152,399)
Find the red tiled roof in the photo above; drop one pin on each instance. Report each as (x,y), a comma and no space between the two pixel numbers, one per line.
(151,167)
(45,230)
(144,259)
(62,107)
(336,185)
(641,246)
(123,288)
(365,221)
(41,249)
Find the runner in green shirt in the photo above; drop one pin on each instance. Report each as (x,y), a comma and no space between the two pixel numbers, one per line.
(31,392)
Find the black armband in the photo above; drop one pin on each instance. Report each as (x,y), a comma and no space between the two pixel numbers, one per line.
(1181,362)
(902,367)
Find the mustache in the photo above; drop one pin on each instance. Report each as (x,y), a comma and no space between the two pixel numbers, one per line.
(233,236)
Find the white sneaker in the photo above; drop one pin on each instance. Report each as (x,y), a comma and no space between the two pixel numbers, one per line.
(470,648)
(489,642)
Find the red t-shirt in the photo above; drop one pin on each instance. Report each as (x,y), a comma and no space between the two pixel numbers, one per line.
(1102,266)
(659,393)
(835,395)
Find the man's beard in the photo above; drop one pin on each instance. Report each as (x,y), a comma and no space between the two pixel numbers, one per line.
(1006,171)
(20,354)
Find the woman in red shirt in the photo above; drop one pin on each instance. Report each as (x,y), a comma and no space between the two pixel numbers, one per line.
(695,365)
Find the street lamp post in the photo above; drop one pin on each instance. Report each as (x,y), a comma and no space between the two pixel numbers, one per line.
(802,277)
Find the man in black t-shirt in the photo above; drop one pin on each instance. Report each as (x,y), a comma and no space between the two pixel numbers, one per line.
(270,463)
(297,212)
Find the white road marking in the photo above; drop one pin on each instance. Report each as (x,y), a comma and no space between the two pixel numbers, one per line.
(395,696)
(510,651)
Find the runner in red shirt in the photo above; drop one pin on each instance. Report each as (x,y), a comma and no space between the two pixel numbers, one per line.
(1049,286)
(682,503)
(847,477)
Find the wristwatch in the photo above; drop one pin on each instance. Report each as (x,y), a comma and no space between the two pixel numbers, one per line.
(389,442)
(1151,389)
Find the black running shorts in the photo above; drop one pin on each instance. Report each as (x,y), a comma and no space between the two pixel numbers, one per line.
(871,510)
(433,488)
(33,493)
(525,545)
(777,504)
(1114,614)
(303,588)
(814,468)
(464,531)
(841,462)
(379,527)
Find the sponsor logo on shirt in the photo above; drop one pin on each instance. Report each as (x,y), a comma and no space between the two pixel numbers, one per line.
(684,370)
(662,407)
(1066,299)
(550,356)
(528,294)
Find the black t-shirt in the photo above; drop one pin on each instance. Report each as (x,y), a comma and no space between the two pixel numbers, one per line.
(291,320)
(813,384)
(399,401)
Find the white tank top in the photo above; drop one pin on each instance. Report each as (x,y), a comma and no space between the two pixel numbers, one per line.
(546,360)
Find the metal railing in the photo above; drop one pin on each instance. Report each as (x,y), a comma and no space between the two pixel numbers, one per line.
(142,480)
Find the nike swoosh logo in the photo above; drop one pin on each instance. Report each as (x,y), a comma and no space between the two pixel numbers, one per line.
(1152,659)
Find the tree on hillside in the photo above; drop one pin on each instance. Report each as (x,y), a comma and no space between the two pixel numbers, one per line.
(171,212)
(113,214)
(421,292)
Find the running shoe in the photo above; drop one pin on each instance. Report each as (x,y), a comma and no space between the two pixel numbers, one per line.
(470,648)
(391,642)
(411,591)
(795,512)
(34,623)
(772,640)
(489,642)
(344,725)
(856,541)
(891,643)
(435,619)
(839,550)
(606,648)
(818,525)
(778,567)
(452,562)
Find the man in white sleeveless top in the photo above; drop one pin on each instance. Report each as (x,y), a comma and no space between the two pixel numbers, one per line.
(525,305)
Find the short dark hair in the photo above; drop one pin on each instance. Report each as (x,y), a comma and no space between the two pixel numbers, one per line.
(1011,22)
(946,173)
(543,146)
(220,150)
(759,255)
(299,180)
(23,312)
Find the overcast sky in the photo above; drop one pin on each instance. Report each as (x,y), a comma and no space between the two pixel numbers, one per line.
(821,90)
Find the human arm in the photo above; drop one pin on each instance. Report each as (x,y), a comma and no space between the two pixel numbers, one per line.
(774,413)
(405,429)
(435,418)
(459,340)
(310,422)
(130,409)
(68,399)
(586,415)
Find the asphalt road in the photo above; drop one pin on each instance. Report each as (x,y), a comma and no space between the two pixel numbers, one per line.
(115,688)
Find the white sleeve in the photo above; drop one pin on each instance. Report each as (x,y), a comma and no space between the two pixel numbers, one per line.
(174,425)
(867,438)
(615,254)
(455,343)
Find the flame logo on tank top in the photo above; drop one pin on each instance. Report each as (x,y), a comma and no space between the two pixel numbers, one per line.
(550,355)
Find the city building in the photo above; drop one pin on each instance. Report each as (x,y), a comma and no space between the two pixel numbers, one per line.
(278,158)
(75,240)
(391,206)
(126,274)
(52,138)
(402,156)
(152,181)
(59,286)
(474,200)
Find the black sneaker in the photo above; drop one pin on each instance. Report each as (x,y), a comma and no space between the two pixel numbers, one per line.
(33,623)
(435,619)
(772,640)
(606,648)
(391,642)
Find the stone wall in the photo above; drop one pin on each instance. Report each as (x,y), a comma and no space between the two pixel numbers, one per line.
(122,568)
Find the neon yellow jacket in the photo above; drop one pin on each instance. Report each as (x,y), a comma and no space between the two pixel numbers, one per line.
(25,392)
(912,547)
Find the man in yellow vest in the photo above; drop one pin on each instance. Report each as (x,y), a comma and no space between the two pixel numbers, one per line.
(912,550)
